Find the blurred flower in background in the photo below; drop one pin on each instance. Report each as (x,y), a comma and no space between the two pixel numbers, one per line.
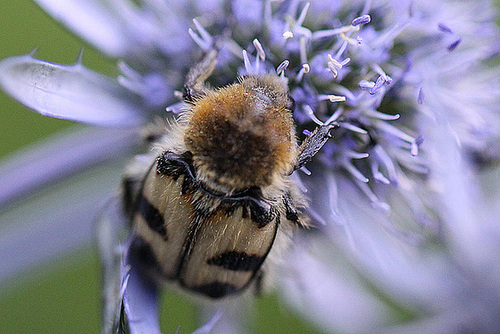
(404,197)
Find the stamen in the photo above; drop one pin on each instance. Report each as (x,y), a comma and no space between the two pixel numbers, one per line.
(366,85)
(389,34)
(380,71)
(378,84)
(443,27)
(341,50)
(414,149)
(355,155)
(303,14)
(367,6)
(331,98)
(288,34)
(260,51)
(352,128)
(348,39)
(399,134)
(387,79)
(387,162)
(454,45)
(412,164)
(345,61)
(335,116)
(305,69)
(305,170)
(364,19)
(334,61)
(204,40)
(303,31)
(347,93)
(282,67)
(346,163)
(268,13)
(330,32)
(333,198)
(303,52)
(332,69)
(336,98)
(377,174)
(373,198)
(309,112)
(334,64)
(246,61)
(378,115)
(203,33)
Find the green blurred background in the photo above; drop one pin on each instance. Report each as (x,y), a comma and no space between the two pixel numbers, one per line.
(64,295)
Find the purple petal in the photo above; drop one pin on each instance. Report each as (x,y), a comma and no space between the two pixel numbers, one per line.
(111,229)
(98,22)
(52,225)
(141,304)
(69,92)
(228,316)
(334,300)
(208,327)
(59,157)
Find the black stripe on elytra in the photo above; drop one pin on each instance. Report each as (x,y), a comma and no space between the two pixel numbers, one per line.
(129,188)
(237,261)
(152,216)
(215,289)
(218,289)
(142,254)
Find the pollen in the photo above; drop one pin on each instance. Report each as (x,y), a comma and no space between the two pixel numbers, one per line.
(241,135)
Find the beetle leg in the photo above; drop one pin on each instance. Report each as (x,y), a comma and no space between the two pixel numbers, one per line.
(312,144)
(195,79)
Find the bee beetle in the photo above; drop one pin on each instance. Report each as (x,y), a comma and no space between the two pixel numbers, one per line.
(218,199)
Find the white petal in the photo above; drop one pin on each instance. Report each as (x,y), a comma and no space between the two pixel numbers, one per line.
(60,156)
(69,92)
(98,22)
(52,225)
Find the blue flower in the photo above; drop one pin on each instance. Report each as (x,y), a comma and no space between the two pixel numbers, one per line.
(404,238)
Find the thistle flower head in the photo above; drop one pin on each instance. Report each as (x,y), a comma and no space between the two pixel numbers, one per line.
(407,82)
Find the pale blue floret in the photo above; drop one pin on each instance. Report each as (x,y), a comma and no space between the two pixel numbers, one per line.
(395,214)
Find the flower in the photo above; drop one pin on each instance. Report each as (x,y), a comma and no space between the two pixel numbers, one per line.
(396,195)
